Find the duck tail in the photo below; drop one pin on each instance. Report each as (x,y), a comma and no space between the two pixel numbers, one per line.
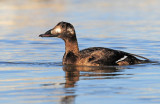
(146,60)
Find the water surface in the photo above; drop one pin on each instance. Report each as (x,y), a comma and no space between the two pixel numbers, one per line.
(31,69)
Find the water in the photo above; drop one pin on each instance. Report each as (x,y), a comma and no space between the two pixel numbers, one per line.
(31,69)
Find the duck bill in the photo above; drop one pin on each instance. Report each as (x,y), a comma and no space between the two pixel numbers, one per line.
(48,34)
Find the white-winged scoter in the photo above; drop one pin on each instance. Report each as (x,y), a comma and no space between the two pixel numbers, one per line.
(94,56)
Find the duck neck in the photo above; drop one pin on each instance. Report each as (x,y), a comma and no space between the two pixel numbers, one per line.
(71,45)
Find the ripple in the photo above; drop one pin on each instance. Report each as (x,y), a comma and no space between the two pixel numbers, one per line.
(31,63)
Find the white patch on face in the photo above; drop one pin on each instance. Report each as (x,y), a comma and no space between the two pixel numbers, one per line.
(121,59)
(58,30)
(70,30)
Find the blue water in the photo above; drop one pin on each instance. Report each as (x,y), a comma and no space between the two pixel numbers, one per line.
(30,67)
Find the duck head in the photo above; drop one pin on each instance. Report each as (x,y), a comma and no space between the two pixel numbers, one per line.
(62,30)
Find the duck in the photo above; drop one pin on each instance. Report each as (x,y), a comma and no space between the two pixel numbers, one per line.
(93,56)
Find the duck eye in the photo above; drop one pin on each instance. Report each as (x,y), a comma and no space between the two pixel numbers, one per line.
(63,26)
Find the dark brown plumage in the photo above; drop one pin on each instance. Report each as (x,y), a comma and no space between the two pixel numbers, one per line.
(95,56)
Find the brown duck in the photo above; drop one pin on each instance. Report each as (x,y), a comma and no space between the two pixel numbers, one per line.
(94,56)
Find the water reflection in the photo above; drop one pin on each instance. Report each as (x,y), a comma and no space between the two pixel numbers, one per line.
(73,75)
(68,100)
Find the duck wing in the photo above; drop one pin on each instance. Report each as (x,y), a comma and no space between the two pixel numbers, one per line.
(105,56)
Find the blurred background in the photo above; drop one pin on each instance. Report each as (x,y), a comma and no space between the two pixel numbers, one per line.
(105,15)
(30,66)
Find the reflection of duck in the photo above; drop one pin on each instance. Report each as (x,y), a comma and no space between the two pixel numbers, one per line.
(95,56)
(72,75)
